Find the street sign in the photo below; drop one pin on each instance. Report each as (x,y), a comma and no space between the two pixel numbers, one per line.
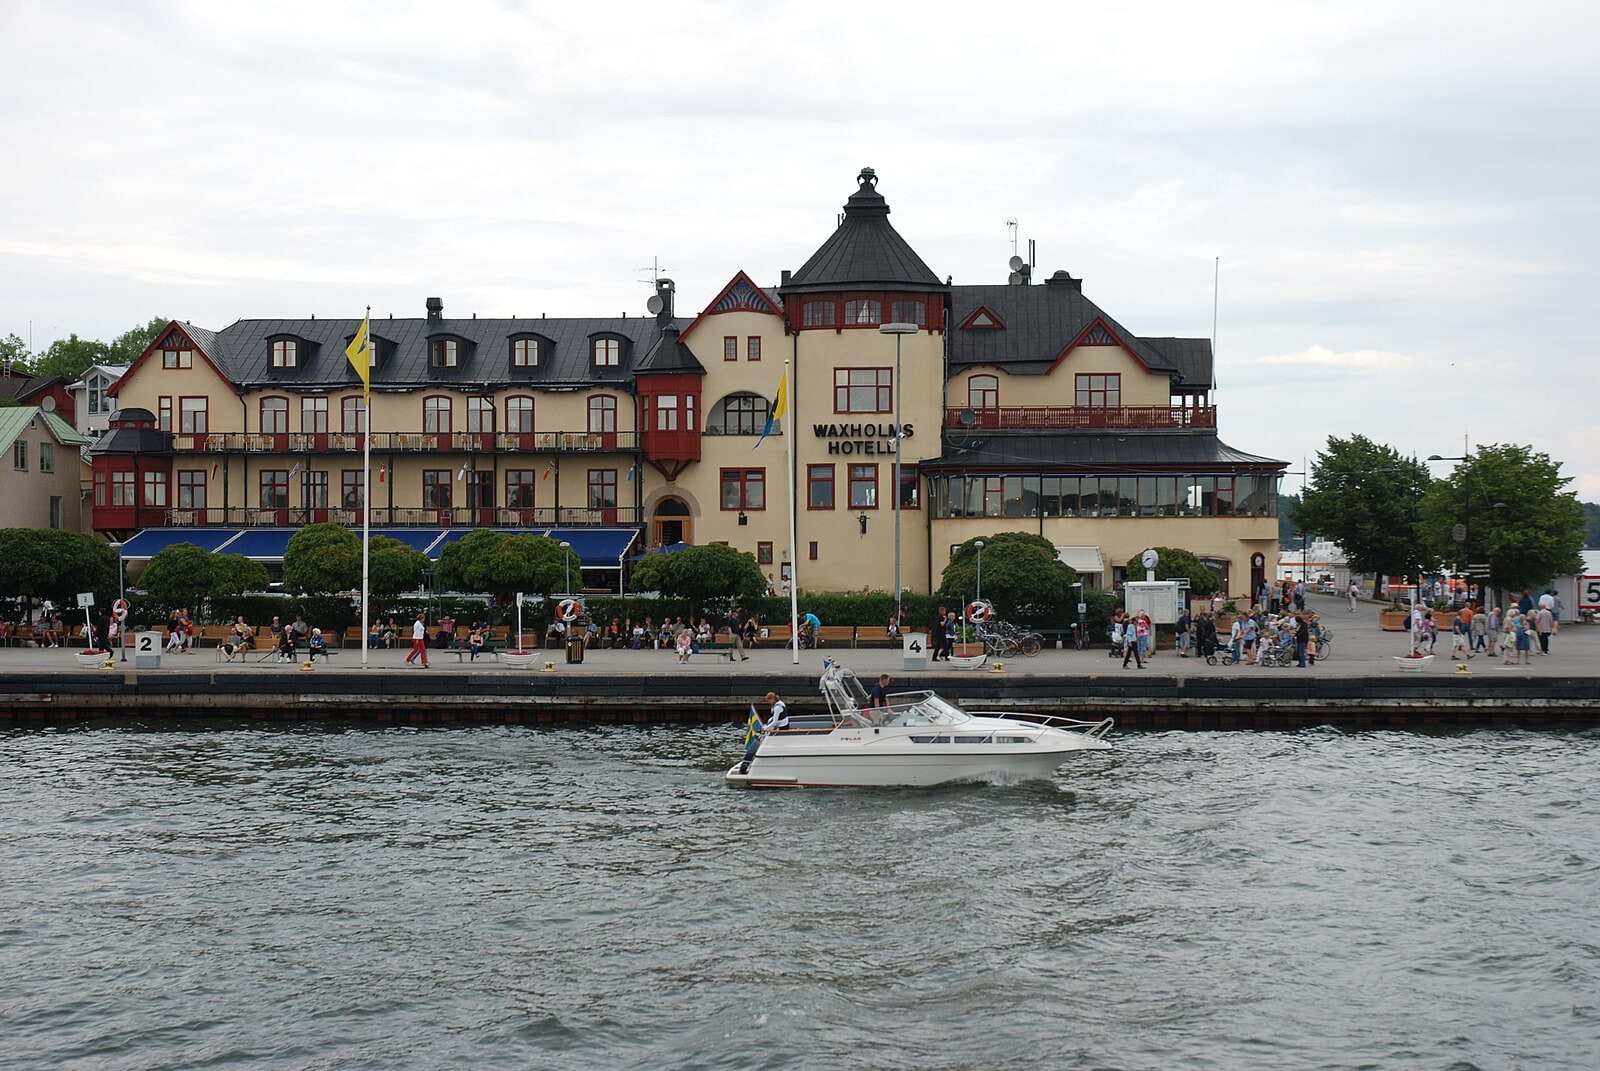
(1589,592)
(1459,533)
(85,599)
(1479,567)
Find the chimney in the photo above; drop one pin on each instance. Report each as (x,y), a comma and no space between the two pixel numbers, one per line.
(662,306)
(435,310)
(1064,279)
(784,281)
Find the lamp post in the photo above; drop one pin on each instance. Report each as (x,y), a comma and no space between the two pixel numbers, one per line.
(566,564)
(1466,524)
(979,545)
(122,593)
(897,330)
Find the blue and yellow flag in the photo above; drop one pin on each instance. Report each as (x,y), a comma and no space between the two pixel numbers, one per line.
(776,413)
(752,726)
(359,353)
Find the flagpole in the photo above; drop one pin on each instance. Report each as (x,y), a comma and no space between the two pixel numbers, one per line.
(794,546)
(366,491)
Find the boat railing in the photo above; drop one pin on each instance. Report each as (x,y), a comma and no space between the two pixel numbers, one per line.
(1094,729)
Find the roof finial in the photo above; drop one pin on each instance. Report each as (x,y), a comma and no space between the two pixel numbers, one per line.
(868,177)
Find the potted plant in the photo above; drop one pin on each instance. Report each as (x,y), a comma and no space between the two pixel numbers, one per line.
(967,644)
(93,658)
(520,659)
(1394,618)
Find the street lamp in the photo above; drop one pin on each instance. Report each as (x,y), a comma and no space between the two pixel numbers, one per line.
(897,330)
(566,564)
(1465,538)
(979,545)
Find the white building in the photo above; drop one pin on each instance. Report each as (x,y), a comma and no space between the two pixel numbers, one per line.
(92,404)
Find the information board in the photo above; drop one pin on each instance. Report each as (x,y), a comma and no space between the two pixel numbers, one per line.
(1157,598)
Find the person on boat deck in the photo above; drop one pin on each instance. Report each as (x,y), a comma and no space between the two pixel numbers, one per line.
(777,722)
(878,696)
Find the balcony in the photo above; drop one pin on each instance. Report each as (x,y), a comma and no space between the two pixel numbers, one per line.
(1073,417)
(401,442)
(398,517)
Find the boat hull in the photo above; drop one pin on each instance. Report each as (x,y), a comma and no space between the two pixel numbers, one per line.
(898,769)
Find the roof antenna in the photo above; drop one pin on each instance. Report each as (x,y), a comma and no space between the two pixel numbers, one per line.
(1011,228)
(1216,283)
(655,269)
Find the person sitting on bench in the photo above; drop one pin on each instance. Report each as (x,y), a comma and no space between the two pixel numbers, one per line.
(316,645)
(475,644)
(286,645)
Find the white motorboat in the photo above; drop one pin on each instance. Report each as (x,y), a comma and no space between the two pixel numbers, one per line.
(919,739)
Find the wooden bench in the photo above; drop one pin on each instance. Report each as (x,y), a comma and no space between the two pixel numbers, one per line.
(461,649)
(845,634)
(716,650)
(777,636)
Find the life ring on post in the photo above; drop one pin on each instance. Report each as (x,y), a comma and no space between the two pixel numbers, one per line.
(979,611)
(567,610)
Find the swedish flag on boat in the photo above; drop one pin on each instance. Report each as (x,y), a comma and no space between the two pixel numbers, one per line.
(776,413)
(752,726)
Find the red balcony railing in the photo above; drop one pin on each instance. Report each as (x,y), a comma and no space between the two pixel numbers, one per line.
(1035,417)
(532,442)
(382,517)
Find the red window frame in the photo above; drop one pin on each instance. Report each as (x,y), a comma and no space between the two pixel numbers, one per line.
(515,427)
(202,425)
(174,358)
(278,485)
(314,489)
(883,388)
(480,489)
(353,407)
(319,417)
(518,480)
(525,353)
(1106,396)
(730,347)
(909,478)
(448,410)
(745,480)
(863,312)
(918,309)
(605,404)
(261,415)
(164,413)
(99,488)
(812,555)
(349,488)
(436,486)
(285,354)
(605,352)
(983,392)
(752,348)
(479,406)
(818,476)
(810,318)
(157,480)
(764,552)
(601,480)
(857,473)
(444,353)
(191,489)
(124,488)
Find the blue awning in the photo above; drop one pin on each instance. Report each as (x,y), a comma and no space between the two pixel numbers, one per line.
(455,535)
(423,539)
(597,548)
(262,544)
(152,541)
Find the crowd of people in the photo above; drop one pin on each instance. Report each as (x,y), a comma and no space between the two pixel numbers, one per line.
(1511,632)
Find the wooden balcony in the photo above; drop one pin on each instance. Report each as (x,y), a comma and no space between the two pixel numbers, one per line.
(403,442)
(1070,417)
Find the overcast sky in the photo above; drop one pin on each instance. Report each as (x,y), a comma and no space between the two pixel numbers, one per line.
(1402,195)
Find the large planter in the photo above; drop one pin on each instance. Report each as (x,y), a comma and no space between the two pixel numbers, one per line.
(1444,620)
(1389,622)
(520,659)
(966,650)
(91,659)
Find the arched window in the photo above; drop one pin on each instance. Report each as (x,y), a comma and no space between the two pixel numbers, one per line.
(436,415)
(519,415)
(602,413)
(819,314)
(983,392)
(739,414)
(863,311)
(607,352)
(274,416)
(480,415)
(285,354)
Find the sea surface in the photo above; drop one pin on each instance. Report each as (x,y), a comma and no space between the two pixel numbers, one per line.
(228,896)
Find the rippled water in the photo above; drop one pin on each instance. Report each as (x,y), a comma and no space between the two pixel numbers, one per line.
(230,897)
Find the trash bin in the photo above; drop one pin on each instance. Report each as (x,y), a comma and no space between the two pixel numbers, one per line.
(575,650)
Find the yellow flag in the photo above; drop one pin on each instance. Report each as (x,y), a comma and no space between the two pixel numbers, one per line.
(359,353)
(780,406)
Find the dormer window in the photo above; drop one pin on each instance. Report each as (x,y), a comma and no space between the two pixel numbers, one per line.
(285,354)
(863,311)
(443,353)
(525,353)
(607,352)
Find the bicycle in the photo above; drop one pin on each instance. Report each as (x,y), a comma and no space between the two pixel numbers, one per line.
(1080,637)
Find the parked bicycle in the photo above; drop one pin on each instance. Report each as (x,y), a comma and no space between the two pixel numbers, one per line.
(1005,641)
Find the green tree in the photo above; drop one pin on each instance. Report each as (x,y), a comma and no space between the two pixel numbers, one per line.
(50,563)
(1176,563)
(494,563)
(14,351)
(234,574)
(321,559)
(1023,578)
(702,574)
(185,575)
(1365,497)
(126,347)
(69,357)
(394,567)
(1534,536)
(1591,516)
(1288,534)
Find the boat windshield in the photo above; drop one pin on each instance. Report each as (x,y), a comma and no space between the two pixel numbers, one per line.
(924,708)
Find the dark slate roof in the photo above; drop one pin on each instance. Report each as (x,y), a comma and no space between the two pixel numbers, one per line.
(133,441)
(22,387)
(203,337)
(1093,453)
(1041,320)
(865,252)
(670,354)
(241,351)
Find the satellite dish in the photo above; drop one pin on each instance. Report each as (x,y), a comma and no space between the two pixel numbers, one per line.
(967,418)
(48,404)
(655,304)
(1149,558)
(1016,263)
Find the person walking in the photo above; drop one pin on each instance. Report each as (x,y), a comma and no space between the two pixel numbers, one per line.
(1460,635)
(736,634)
(1302,640)
(1479,633)
(1185,633)
(1491,630)
(1130,644)
(951,630)
(1299,595)
(1524,639)
(1544,624)
(1236,639)
(419,642)
(1206,635)
(1354,593)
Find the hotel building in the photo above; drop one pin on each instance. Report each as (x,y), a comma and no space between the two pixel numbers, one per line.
(1018,406)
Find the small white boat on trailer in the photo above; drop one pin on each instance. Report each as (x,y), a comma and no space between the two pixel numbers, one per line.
(919,739)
